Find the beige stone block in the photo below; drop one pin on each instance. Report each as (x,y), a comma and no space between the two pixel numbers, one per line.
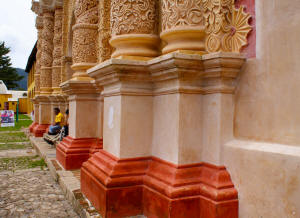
(84,116)
(217,125)
(128,126)
(44,113)
(266,176)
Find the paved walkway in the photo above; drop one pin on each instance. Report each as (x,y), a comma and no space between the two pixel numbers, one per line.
(31,193)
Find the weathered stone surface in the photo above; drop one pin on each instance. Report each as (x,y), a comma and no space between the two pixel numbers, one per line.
(32,193)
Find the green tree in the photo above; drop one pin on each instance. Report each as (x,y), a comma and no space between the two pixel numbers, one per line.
(8,74)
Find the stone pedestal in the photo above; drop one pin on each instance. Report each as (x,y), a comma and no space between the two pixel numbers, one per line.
(85,131)
(155,154)
(44,112)
(36,116)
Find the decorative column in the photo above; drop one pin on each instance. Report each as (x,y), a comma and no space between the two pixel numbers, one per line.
(134,29)
(47,51)
(165,122)
(39,26)
(183,26)
(105,49)
(57,51)
(85,134)
(85,32)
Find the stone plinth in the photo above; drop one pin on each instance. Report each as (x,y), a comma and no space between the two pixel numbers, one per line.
(44,112)
(85,131)
(156,158)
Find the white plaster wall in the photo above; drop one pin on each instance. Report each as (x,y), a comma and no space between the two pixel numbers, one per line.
(266,174)
(268,95)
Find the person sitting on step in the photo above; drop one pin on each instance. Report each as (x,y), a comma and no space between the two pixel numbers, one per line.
(56,126)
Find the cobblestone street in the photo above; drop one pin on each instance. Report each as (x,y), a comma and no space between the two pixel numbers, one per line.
(32,193)
(27,188)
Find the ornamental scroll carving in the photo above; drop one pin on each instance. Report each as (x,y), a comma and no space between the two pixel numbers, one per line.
(222,28)
(57,51)
(47,42)
(133,16)
(105,49)
(57,40)
(47,50)
(178,13)
(85,32)
(39,26)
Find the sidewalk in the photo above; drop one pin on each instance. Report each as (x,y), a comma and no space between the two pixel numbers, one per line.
(68,180)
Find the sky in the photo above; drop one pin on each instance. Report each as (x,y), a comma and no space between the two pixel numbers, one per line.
(17,29)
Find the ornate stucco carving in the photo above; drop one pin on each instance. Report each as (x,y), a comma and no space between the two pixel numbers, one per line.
(133,16)
(240,28)
(47,49)
(182,25)
(178,13)
(57,51)
(134,28)
(224,26)
(105,49)
(85,36)
(39,26)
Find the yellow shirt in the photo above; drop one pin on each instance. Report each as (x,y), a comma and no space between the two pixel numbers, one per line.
(59,118)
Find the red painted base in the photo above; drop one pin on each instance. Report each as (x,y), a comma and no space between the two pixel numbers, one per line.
(71,153)
(155,188)
(31,127)
(39,130)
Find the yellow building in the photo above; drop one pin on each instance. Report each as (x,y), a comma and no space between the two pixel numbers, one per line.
(30,69)
(9,99)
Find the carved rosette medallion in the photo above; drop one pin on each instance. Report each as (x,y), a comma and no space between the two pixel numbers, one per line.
(57,51)
(134,28)
(47,49)
(240,28)
(105,49)
(85,36)
(182,25)
(226,27)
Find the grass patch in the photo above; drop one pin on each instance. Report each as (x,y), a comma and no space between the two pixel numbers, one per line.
(11,146)
(18,125)
(20,163)
(23,116)
(8,137)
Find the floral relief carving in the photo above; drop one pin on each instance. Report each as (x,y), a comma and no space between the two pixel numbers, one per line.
(39,26)
(133,16)
(224,30)
(84,45)
(178,13)
(47,43)
(85,34)
(47,49)
(105,49)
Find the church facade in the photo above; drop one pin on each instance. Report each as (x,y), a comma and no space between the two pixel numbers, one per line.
(177,108)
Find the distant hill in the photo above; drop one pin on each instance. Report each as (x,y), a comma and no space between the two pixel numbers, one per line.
(23,82)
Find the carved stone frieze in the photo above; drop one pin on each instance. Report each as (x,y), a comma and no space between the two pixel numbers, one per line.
(133,16)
